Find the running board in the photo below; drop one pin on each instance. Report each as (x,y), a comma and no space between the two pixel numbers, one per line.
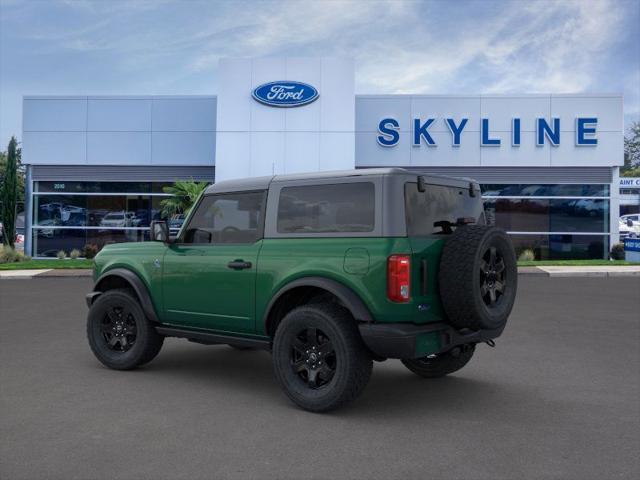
(209,338)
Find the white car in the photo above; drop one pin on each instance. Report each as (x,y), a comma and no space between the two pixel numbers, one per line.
(19,240)
(118,219)
(627,227)
(635,218)
(19,243)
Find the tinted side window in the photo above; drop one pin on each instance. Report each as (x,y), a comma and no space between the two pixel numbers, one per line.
(227,218)
(343,207)
(438,204)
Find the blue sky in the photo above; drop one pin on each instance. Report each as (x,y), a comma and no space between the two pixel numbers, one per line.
(172,47)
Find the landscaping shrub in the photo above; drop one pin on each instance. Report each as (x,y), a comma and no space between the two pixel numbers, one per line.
(7,254)
(90,250)
(75,253)
(617,251)
(527,255)
(10,255)
(61,255)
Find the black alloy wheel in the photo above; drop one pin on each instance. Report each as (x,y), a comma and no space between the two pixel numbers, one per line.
(119,329)
(313,357)
(492,278)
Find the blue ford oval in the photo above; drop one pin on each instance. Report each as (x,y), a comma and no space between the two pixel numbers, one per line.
(285,93)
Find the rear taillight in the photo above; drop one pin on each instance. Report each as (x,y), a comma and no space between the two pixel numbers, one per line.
(399,278)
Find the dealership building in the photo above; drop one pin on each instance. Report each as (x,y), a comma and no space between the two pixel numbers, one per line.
(96,166)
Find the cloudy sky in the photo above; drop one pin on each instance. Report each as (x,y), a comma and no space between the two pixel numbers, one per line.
(172,47)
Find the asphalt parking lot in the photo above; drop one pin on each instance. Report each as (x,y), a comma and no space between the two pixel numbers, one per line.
(557,398)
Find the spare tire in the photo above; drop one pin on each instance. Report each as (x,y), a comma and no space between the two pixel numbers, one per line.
(478,277)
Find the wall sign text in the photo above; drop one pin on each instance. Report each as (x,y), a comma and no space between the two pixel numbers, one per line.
(547,132)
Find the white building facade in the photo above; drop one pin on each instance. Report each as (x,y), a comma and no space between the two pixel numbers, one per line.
(96,166)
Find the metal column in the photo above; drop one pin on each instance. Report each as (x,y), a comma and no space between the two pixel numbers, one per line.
(28,211)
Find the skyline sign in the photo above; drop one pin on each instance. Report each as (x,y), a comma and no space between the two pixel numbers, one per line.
(546,132)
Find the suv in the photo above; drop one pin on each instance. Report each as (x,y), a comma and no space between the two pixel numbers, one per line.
(328,271)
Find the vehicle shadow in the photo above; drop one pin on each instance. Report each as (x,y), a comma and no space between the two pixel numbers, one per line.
(216,365)
(392,391)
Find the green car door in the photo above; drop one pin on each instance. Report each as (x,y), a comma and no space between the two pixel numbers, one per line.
(209,273)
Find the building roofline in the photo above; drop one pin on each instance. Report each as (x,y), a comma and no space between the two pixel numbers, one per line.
(491,95)
(113,97)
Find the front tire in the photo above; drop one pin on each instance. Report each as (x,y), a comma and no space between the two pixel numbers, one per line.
(319,358)
(119,333)
(442,364)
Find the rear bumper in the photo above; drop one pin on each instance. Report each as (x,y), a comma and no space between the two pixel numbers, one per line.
(406,340)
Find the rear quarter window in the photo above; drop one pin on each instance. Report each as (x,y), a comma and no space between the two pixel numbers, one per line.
(335,208)
(438,204)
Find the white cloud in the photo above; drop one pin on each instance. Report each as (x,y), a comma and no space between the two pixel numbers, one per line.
(537,47)
(291,27)
(399,47)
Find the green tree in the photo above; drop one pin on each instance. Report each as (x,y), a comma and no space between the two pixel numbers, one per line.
(19,172)
(185,193)
(631,166)
(8,194)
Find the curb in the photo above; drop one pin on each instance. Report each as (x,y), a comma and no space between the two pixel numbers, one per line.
(580,272)
(531,272)
(70,273)
(44,273)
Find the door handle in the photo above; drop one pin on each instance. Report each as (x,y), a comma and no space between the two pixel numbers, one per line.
(239,265)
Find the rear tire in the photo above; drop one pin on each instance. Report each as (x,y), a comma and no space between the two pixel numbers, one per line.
(319,358)
(119,333)
(442,364)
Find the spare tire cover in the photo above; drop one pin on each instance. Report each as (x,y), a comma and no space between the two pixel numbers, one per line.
(478,277)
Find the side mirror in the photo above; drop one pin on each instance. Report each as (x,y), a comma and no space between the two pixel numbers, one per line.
(159,231)
(629,222)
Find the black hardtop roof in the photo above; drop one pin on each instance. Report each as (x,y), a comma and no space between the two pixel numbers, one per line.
(262,183)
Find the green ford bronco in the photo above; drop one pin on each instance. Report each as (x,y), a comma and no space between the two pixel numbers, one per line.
(328,271)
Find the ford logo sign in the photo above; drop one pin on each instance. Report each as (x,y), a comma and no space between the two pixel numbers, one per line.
(285,94)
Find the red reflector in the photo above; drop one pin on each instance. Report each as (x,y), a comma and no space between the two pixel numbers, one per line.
(399,278)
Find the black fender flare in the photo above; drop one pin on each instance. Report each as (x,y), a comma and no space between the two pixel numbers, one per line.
(347,296)
(136,284)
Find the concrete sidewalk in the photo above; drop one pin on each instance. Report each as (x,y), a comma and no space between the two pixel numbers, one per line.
(592,271)
(27,274)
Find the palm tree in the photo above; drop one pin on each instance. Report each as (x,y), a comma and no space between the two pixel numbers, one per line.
(185,193)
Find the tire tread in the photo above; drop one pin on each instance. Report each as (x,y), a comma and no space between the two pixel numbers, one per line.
(456,276)
(359,371)
(151,340)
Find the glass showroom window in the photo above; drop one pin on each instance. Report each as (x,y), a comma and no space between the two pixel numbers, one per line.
(554,221)
(72,215)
